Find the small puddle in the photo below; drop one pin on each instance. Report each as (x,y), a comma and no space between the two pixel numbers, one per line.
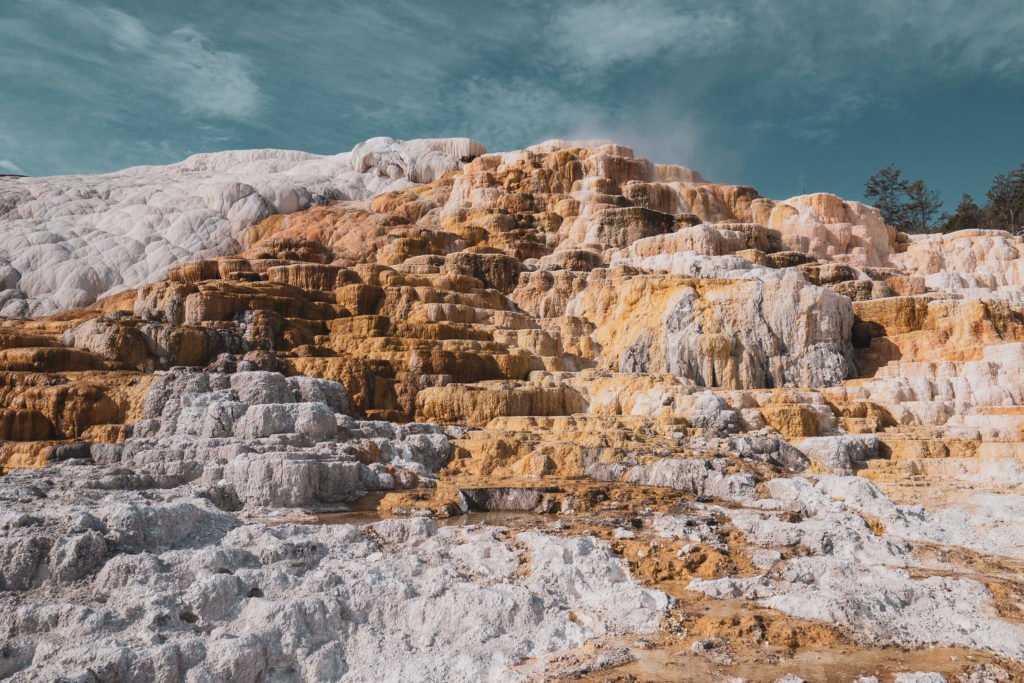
(516,520)
(845,663)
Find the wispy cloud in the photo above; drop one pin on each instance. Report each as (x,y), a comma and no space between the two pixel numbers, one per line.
(596,36)
(521,109)
(204,80)
(181,64)
(947,36)
(89,87)
(10,167)
(838,108)
(818,65)
(96,84)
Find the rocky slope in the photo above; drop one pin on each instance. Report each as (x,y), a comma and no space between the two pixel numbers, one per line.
(67,241)
(554,413)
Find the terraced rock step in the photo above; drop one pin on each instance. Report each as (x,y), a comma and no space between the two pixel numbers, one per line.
(420,412)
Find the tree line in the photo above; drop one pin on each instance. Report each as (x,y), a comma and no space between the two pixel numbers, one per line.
(911,206)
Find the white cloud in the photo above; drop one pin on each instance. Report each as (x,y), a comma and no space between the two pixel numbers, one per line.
(797,38)
(10,167)
(815,65)
(204,80)
(520,109)
(524,112)
(609,33)
(681,80)
(182,64)
(950,35)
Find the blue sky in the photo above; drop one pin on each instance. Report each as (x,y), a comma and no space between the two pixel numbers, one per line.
(785,95)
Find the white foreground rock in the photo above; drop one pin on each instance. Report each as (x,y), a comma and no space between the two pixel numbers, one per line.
(135,569)
(159,585)
(847,575)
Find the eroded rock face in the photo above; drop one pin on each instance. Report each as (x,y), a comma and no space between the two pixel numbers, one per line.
(804,425)
(742,334)
(67,241)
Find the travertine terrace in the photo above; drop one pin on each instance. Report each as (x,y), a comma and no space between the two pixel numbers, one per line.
(421,412)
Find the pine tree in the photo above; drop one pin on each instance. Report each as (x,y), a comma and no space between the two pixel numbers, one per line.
(906,205)
(887,189)
(1005,207)
(922,206)
(968,215)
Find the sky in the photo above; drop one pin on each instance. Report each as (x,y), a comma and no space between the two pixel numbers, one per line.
(790,96)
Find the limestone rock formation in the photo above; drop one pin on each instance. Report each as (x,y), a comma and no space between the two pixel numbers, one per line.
(421,412)
(67,241)
(232,601)
(743,334)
